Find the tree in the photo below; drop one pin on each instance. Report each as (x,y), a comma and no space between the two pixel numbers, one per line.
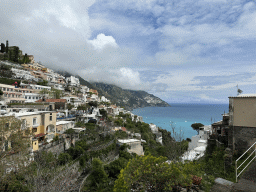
(44,83)
(98,176)
(196,126)
(83,107)
(148,173)
(25,59)
(2,48)
(70,106)
(15,147)
(57,94)
(7,47)
(44,92)
(103,113)
(93,103)
(70,132)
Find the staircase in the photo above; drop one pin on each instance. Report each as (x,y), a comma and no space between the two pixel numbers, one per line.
(247,181)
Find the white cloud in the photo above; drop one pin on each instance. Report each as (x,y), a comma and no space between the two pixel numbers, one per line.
(124,77)
(102,41)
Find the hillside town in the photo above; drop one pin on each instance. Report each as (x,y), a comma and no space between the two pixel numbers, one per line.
(49,106)
(60,113)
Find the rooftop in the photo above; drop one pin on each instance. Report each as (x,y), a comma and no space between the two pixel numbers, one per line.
(53,100)
(245,95)
(128,140)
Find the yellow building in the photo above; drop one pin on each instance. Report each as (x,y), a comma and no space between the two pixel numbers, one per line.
(42,124)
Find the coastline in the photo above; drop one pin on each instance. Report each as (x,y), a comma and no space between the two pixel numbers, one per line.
(181,116)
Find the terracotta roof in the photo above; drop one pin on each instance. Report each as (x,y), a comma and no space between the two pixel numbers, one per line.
(123,129)
(53,100)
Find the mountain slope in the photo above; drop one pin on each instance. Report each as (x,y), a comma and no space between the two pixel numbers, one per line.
(128,99)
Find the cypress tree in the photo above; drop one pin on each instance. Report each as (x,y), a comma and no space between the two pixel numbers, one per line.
(2,48)
(7,46)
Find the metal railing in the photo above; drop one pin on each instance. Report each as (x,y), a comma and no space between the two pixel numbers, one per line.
(237,175)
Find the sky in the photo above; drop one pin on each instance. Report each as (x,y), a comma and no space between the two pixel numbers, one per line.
(182,51)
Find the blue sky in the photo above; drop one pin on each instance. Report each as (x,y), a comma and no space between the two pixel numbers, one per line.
(181,51)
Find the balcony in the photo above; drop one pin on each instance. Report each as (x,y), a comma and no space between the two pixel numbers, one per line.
(35,125)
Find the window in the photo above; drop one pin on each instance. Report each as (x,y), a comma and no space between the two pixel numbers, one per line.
(50,118)
(12,95)
(4,89)
(7,89)
(29,97)
(33,97)
(26,97)
(36,97)
(34,121)
(23,124)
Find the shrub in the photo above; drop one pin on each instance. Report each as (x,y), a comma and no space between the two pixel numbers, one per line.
(63,158)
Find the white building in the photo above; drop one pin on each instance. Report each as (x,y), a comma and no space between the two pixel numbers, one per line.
(104,99)
(135,145)
(153,127)
(198,144)
(84,89)
(73,81)
(22,74)
(76,101)
(37,88)
(32,97)
(59,87)
(197,140)
(62,126)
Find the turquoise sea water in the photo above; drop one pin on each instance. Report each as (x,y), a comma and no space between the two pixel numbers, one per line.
(182,116)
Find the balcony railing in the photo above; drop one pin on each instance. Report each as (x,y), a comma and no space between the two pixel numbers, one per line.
(253,152)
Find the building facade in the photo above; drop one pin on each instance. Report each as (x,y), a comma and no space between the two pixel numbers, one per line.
(242,121)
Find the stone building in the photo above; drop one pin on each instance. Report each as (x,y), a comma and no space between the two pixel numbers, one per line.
(242,121)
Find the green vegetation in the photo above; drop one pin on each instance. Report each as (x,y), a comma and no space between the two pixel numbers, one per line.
(149,172)
(5,71)
(84,107)
(25,59)
(44,83)
(8,81)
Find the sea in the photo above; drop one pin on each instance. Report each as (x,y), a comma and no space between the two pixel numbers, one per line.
(180,116)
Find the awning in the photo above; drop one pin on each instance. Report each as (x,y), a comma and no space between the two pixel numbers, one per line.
(40,135)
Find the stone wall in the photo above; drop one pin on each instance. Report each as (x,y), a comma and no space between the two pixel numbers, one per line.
(244,137)
(58,147)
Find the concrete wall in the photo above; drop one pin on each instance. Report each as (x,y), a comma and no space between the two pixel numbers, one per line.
(242,120)
(136,148)
(243,111)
